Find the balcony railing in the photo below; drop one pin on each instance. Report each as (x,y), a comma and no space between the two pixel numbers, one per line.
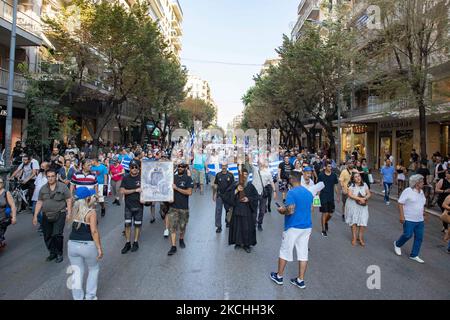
(24,21)
(374,106)
(20,82)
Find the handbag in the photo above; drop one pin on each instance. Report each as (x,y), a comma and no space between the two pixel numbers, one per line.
(229,215)
(52,216)
(361,204)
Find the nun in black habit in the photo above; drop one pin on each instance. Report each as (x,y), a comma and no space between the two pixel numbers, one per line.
(243,225)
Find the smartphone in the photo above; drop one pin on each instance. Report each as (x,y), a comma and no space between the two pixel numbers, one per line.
(278,205)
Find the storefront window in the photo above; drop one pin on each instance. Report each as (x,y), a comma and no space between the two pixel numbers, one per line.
(385,146)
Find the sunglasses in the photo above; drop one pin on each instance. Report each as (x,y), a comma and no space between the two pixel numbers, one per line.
(134,167)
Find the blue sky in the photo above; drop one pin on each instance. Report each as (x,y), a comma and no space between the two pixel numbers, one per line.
(237,31)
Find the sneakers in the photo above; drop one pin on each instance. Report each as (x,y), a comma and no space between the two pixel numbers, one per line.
(260,228)
(397,250)
(324,233)
(126,248)
(388,203)
(275,278)
(172,251)
(182,244)
(219,230)
(51,257)
(247,249)
(59,259)
(135,247)
(166,233)
(417,259)
(448,250)
(299,283)
(152,220)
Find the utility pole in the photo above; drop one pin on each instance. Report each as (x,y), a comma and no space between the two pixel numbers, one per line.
(9,109)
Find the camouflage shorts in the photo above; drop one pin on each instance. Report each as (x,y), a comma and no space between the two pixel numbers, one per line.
(178,219)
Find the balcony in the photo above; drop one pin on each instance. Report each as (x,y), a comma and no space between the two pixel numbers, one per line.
(28,29)
(177,10)
(20,82)
(308,9)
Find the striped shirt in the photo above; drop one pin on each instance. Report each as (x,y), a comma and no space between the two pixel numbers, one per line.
(126,163)
(79,179)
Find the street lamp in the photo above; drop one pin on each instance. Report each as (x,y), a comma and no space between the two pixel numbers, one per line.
(9,108)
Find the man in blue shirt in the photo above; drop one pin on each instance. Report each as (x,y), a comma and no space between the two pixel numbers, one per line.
(297,230)
(101,172)
(388,175)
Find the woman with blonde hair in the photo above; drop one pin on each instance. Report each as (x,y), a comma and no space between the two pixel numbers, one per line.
(84,245)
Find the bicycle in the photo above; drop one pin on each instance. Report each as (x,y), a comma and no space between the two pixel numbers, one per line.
(19,195)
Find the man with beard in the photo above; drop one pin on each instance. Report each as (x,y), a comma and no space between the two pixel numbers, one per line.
(178,215)
(242,224)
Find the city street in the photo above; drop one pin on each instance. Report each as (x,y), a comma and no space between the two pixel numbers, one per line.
(210,269)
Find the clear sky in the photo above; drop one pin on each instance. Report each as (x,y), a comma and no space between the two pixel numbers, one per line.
(236,31)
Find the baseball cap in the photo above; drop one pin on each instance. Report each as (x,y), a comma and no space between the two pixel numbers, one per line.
(83,193)
(307,169)
(134,163)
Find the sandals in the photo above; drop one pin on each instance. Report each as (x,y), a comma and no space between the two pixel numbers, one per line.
(362,243)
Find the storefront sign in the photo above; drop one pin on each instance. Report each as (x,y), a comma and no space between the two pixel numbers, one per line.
(396,124)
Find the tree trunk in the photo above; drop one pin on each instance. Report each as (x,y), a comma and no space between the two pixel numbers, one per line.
(423,128)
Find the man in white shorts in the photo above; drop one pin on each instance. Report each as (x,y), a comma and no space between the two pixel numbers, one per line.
(297,230)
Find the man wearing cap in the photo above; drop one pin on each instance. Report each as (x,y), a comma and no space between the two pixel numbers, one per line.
(307,180)
(134,209)
(223,183)
(178,215)
(54,200)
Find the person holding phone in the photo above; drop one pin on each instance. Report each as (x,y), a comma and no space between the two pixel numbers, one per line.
(297,230)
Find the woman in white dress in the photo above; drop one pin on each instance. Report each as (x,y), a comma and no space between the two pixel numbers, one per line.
(356,209)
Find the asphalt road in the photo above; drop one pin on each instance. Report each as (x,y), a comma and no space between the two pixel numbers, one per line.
(210,269)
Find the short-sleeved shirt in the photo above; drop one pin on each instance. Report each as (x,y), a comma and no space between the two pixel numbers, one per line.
(223,181)
(199,161)
(27,170)
(54,201)
(133,200)
(79,179)
(184,182)
(413,204)
(303,200)
(327,193)
(285,169)
(100,171)
(125,162)
(388,174)
(116,172)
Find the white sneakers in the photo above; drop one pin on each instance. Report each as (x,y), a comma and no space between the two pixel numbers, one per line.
(388,203)
(397,250)
(166,233)
(417,259)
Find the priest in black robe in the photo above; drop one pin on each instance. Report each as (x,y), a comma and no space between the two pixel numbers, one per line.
(242,225)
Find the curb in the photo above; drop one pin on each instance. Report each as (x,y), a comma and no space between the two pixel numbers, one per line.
(429,211)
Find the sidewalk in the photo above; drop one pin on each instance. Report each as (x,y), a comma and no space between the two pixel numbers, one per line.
(378,189)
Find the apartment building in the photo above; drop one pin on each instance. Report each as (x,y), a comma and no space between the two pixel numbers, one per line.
(28,39)
(169,16)
(376,127)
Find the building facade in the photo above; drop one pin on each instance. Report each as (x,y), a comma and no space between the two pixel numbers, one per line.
(376,127)
(169,16)
(28,39)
